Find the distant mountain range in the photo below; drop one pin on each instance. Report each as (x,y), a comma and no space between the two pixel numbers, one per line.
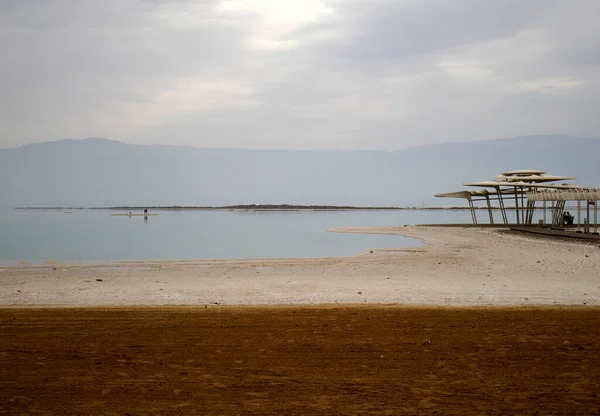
(100,172)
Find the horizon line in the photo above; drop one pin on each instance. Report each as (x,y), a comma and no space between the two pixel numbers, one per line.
(529,136)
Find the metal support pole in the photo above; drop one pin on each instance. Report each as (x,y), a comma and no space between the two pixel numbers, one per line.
(557,215)
(487,198)
(525,211)
(587,227)
(522,209)
(544,212)
(473,215)
(502,208)
(517,205)
(595,217)
(578,216)
(531,211)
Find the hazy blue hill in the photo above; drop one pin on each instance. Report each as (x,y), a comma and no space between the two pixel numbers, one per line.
(99,172)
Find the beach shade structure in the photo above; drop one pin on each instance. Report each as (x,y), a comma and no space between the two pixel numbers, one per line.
(507,187)
(588,197)
(484,195)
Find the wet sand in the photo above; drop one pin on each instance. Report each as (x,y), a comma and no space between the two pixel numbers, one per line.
(300,360)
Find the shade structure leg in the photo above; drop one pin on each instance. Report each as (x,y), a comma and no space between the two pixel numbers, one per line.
(557,218)
(587,220)
(517,205)
(531,208)
(544,213)
(595,217)
(487,198)
(523,212)
(473,215)
(578,216)
(502,208)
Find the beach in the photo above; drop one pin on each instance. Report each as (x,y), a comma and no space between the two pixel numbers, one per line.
(458,266)
(474,321)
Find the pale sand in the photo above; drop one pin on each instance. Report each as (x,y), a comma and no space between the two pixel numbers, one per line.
(456,266)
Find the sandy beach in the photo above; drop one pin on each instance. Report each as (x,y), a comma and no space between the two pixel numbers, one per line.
(474,321)
(460,266)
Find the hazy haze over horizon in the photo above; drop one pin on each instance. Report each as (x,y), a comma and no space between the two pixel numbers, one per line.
(315,74)
(94,172)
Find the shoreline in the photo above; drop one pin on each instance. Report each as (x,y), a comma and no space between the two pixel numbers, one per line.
(101,264)
(452,267)
(291,208)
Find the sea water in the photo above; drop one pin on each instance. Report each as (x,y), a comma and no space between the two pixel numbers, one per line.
(36,236)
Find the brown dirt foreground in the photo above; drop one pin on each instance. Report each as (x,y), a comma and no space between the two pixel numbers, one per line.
(300,360)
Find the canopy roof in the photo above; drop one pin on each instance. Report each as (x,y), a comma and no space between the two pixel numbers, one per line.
(508,183)
(497,184)
(524,172)
(534,178)
(483,192)
(466,193)
(458,194)
(514,185)
(579,194)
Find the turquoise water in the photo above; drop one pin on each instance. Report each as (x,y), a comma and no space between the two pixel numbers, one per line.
(94,235)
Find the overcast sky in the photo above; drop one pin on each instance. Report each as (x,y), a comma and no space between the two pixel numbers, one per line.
(344,74)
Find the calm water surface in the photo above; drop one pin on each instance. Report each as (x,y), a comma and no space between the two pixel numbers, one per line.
(94,235)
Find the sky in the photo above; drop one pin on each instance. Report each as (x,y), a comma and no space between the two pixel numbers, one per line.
(289,74)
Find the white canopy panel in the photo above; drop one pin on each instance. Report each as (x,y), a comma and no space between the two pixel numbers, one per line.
(483,192)
(459,194)
(518,184)
(524,172)
(590,194)
(489,184)
(535,178)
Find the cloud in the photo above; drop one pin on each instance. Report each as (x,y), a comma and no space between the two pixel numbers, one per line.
(273,20)
(550,85)
(284,74)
